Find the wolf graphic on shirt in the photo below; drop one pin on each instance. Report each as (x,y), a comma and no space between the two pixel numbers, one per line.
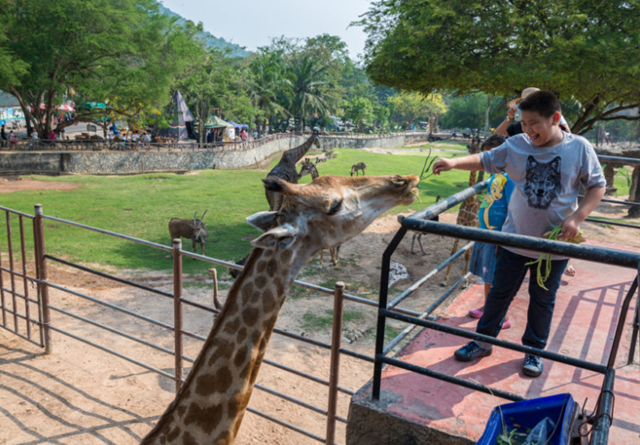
(542,183)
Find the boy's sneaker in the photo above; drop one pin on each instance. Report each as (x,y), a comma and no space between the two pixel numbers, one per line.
(472,351)
(532,366)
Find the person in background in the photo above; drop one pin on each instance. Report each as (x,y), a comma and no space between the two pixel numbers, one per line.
(491,215)
(34,140)
(13,139)
(3,136)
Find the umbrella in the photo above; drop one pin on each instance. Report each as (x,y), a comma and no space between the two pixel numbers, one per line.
(216,122)
(237,125)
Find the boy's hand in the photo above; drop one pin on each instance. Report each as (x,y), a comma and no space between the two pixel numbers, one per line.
(570,227)
(442,165)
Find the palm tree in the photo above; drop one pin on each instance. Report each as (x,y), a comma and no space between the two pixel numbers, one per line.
(311,92)
(267,84)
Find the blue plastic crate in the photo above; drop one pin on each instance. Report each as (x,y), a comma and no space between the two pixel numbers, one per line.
(527,414)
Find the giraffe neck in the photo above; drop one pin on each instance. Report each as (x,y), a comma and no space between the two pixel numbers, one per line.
(210,405)
(295,154)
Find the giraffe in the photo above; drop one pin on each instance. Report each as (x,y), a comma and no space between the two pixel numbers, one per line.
(286,169)
(308,168)
(209,407)
(468,213)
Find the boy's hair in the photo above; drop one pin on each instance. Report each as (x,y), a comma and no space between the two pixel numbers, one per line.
(493,141)
(543,102)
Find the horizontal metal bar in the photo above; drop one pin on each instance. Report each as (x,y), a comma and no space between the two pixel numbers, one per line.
(612,223)
(15,212)
(18,274)
(305,375)
(425,314)
(357,355)
(581,251)
(111,277)
(22,336)
(497,342)
(450,379)
(619,160)
(285,424)
(617,201)
(445,204)
(112,330)
(108,232)
(428,276)
(291,399)
(110,351)
(111,306)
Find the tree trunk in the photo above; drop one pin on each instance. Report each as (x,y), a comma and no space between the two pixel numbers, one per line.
(634,192)
(486,115)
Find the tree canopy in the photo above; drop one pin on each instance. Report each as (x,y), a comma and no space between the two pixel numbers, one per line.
(121,50)
(582,50)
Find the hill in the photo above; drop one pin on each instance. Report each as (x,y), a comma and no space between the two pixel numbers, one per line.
(209,39)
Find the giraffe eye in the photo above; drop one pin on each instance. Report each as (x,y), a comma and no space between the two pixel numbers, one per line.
(398,180)
(336,206)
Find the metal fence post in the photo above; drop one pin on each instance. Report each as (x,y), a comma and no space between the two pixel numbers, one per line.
(177,309)
(334,368)
(43,288)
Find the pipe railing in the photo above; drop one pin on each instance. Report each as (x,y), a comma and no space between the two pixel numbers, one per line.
(422,222)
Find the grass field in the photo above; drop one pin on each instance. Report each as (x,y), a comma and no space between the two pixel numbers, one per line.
(142,205)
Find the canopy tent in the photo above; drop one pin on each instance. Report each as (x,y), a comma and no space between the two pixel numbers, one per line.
(236,125)
(178,116)
(92,105)
(216,122)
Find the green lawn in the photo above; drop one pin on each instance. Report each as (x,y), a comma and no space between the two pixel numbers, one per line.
(142,205)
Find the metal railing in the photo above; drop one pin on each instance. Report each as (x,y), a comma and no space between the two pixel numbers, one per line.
(19,307)
(422,222)
(47,327)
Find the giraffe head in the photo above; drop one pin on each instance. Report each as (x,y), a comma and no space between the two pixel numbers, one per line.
(328,211)
(308,168)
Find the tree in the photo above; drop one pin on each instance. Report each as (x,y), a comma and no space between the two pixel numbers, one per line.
(582,50)
(469,111)
(267,85)
(311,93)
(360,110)
(414,108)
(122,50)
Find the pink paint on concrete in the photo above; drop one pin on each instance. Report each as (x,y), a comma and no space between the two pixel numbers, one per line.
(587,309)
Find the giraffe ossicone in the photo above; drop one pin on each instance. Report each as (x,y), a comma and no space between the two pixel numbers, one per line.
(325,213)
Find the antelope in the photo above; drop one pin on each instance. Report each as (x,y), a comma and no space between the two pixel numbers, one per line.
(359,166)
(194,230)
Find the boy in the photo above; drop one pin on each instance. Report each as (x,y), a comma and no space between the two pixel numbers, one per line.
(546,166)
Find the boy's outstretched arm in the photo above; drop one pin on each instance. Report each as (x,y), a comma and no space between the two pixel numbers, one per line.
(571,225)
(470,163)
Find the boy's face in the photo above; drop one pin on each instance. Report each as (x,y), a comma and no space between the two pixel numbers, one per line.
(543,131)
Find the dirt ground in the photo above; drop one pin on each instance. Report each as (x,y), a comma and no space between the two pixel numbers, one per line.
(82,395)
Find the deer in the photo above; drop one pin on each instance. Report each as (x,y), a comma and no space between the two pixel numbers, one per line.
(194,230)
(360,166)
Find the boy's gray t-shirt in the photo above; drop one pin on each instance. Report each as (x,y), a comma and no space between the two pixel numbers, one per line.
(547,181)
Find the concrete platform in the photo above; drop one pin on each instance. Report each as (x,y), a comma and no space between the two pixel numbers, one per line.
(416,409)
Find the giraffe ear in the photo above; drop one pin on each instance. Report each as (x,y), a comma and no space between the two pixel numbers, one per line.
(278,238)
(263,221)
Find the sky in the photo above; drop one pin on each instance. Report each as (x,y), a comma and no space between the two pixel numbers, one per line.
(252,23)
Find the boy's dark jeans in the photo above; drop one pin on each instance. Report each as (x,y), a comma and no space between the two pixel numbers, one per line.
(509,274)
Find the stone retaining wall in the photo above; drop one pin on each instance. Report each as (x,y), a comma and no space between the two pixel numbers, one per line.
(114,162)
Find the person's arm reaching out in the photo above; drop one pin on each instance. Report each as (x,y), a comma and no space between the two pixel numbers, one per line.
(470,163)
